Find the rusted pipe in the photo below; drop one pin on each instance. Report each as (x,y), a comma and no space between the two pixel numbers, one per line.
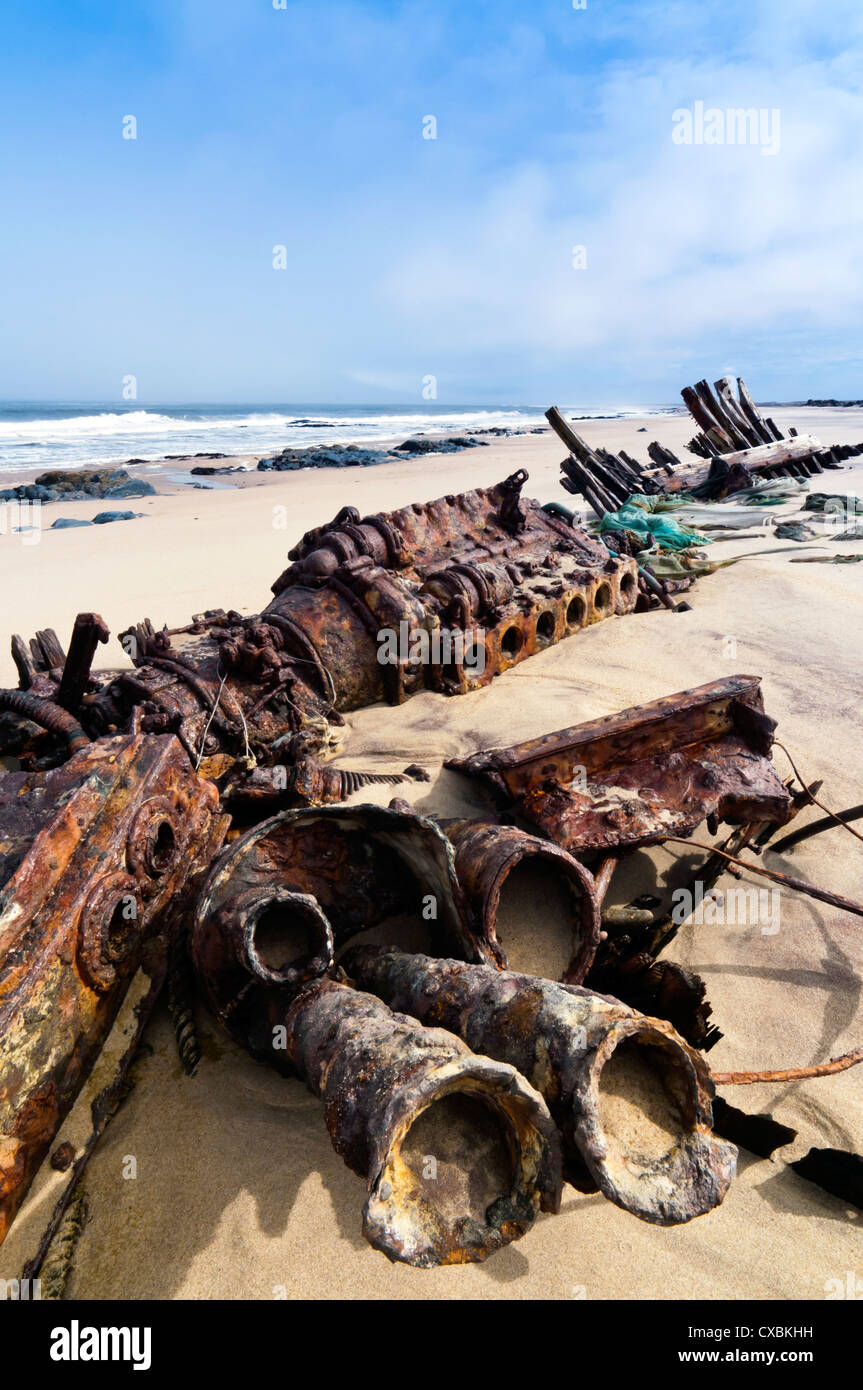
(631,1098)
(799,885)
(510,878)
(831,1068)
(458,1152)
(47,715)
(363,868)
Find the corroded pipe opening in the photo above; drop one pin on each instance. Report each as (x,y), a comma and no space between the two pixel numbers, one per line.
(459,1152)
(631,1099)
(462,1174)
(535,911)
(286,937)
(534,904)
(644,1126)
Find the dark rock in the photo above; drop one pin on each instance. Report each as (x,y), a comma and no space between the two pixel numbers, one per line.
(337,456)
(205,471)
(102,518)
(423,445)
(76,484)
(197,456)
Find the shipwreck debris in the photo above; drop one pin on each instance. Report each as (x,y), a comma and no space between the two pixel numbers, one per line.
(639,778)
(285,896)
(443,595)
(504,872)
(98,861)
(653,771)
(736,443)
(459,1153)
(631,1099)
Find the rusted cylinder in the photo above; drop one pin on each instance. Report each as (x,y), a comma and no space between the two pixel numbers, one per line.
(257,938)
(512,879)
(631,1099)
(306,880)
(458,1152)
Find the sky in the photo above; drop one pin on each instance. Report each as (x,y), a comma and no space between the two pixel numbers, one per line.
(556,241)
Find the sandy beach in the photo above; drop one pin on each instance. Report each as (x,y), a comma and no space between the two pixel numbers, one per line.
(238,1193)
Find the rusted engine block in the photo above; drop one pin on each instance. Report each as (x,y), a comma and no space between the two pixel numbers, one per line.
(441,595)
(99,859)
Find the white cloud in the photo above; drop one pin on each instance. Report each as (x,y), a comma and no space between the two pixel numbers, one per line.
(684,244)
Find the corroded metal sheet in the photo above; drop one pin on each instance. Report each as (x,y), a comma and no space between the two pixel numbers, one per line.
(652,771)
(98,859)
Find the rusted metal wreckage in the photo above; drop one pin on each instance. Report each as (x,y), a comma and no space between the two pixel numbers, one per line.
(118,811)
(738,444)
(462,589)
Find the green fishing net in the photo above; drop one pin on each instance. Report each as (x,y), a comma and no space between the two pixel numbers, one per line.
(642,515)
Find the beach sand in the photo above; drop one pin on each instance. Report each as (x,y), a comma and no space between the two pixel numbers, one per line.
(238,1192)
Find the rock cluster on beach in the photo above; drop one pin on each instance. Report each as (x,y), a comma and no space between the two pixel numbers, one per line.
(352,456)
(72,485)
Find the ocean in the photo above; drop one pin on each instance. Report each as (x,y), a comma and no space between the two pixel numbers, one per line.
(69,435)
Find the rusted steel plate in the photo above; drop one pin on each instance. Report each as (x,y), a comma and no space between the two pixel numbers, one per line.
(651,771)
(631,1098)
(99,858)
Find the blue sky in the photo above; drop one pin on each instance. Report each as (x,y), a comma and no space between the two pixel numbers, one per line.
(407,257)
